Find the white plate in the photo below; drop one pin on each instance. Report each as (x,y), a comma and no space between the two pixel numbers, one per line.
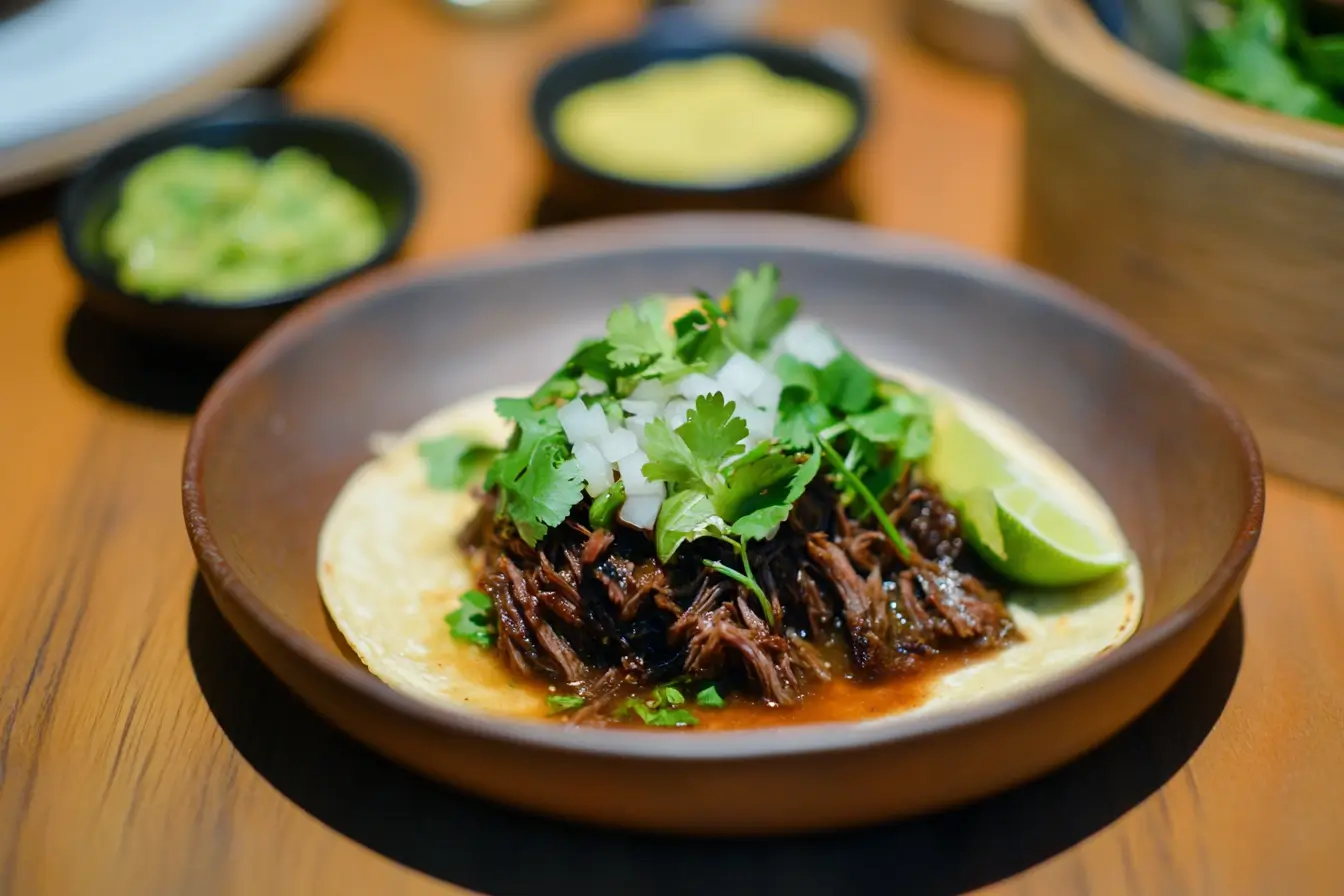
(79,75)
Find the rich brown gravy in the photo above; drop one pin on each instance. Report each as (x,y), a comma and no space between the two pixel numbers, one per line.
(842,699)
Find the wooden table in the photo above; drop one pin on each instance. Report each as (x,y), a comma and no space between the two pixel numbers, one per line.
(143,750)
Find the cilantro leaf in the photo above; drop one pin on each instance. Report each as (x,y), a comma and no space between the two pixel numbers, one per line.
(918,439)
(760,483)
(451,461)
(761,523)
(667,695)
(538,482)
(1324,58)
(474,619)
(801,412)
(691,456)
(710,697)
(800,380)
(533,427)
(700,334)
(905,423)
(683,516)
(637,336)
(884,426)
(755,317)
(846,384)
(661,718)
(544,494)
(797,424)
(670,458)
(603,509)
(558,703)
(807,471)
(712,432)
(763,492)
(561,385)
(589,358)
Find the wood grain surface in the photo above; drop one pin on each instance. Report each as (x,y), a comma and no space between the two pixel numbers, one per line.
(143,750)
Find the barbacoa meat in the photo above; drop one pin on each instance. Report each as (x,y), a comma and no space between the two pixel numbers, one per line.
(597,611)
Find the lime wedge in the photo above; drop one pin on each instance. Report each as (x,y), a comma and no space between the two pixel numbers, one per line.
(1021,531)
(1016,522)
(962,459)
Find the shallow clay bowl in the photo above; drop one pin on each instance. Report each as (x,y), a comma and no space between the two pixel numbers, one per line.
(287,424)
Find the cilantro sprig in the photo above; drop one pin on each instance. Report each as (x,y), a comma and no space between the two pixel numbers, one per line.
(663,708)
(868,429)
(721,490)
(474,619)
(710,697)
(536,476)
(558,703)
(452,461)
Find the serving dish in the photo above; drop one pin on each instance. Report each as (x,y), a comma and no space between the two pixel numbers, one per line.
(281,431)
(356,153)
(1212,224)
(81,75)
(980,33)
(679,33)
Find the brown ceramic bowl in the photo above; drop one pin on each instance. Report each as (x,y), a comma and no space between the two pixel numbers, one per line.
(289,422)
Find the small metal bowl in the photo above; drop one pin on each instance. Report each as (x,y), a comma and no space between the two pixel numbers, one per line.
(674,34)
(368,161)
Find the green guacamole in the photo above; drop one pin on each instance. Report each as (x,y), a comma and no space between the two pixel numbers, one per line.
(222,225)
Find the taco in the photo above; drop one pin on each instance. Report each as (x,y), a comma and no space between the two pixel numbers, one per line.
(720,517)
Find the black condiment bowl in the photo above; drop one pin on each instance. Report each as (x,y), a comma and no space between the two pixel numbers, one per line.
(365,159)
(676,35)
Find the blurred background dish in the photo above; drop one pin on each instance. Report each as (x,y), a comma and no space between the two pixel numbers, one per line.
(1213,223)
(14,7)
(205,316)
(79,75)
(733,87)
(979,33)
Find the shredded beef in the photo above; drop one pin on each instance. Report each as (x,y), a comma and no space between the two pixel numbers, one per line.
(597,611)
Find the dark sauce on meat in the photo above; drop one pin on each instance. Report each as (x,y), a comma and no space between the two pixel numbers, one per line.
(855,630)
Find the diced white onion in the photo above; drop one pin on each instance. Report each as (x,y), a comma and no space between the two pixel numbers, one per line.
(632,474)
(677,410)
(741,374)
(694,384)
(766,395)
(760,424)
(598,422)
(593,467)
(591,385)
(652,390)
(638,408)
(581,423)
(617,444)
(636,425)
(572,415)
(641,510)
(732,396)
(809,341)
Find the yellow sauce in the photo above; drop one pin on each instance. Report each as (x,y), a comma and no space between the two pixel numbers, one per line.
(714,120)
